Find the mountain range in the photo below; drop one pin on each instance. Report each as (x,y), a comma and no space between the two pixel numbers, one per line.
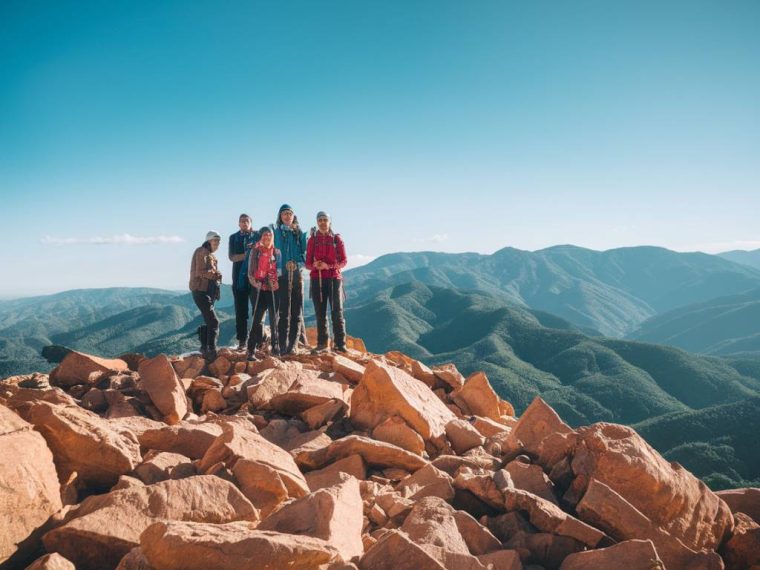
(533,321)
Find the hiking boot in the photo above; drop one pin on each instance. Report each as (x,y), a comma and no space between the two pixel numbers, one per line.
(320,349)
(210,355)
(251,357)
(242,345)
(341,349)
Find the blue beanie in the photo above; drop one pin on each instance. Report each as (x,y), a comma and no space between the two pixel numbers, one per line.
(283,208)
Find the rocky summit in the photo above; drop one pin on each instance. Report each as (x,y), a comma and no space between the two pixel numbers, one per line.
(325,461)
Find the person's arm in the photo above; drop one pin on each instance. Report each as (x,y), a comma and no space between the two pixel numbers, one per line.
(340,253)
(201,265)
(310,254)
(232,254)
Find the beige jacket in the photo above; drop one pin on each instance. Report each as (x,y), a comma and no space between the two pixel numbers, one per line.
(203,269)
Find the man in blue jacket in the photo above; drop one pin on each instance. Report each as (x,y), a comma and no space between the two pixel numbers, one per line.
(240,245)
(291,242)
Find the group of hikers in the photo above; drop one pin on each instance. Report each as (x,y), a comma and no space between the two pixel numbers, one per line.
(266,275)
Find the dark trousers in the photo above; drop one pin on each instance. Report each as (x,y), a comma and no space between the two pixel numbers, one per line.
(290,307)
(209,332)
(330,292)
(242,310)
(262,301)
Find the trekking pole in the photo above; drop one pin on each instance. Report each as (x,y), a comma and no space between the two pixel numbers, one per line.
(274,329)
(290,300)
(255,306)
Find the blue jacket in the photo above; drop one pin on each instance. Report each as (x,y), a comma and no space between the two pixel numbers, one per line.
(239,245)
(292,246)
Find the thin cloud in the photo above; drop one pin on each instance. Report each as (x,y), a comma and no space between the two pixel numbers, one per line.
(358,259)
(119,239)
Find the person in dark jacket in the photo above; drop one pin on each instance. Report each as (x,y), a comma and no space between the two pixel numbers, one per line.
(291,242)
(263,262)
(325,257)
(240,246)
(205,285)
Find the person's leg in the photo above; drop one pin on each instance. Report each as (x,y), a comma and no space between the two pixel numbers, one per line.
(257,328)
(282,317)
(320,300)
(241,316)
(273,316)
(296,310)
(206,307)
(338,320)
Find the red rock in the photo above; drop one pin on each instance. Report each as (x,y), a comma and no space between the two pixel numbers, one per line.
(396,551)
(742,550)
(667,494)
(213,401)
(321,414)
(187,367)
(84,443)
(272,382)
(81,368)
(477,397)
(106,527)
(333,514)
(745,501)
(267,474)
(463,436)
(375,453)
(304,393)
(544,550)
(423,373)
(331,475)
(630,554)
(232,546)
(449,374)
(548,517)
(481,485)
(427,482)
(159,465)
(488,427)
(501,560)
(158,378)
(51,562)
(29,488)
(134,560)
(605,509)
(220,366)
(386,391)
(394,430)
(538,422)
(531,478)
(185,438)
(350,370)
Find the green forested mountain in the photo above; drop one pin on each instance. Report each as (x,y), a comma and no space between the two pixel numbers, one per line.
(586,379)
(725,325)
(611,292)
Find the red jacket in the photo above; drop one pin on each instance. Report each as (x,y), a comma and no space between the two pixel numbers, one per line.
(262,267)
(328,248)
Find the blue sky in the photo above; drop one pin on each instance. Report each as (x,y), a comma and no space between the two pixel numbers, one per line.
(451,126)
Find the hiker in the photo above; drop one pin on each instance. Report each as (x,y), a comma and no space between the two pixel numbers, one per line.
(325,257)
(240,246)
(263,263)
(291,241)
(205,284)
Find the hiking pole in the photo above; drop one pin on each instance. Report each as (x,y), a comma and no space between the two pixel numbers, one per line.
(275,330)
(253,316)
(290,266)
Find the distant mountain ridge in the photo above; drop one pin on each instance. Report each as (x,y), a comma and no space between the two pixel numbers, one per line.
(750,258)
(611,292)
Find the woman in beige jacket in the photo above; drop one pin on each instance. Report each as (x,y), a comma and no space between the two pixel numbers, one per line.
(205,285)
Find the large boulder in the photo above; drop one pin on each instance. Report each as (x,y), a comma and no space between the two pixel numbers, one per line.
(305,393)
(106,527)
(158,378)
(478,398)
(742,550)
(80,368)
(267,474)
(350,370)
(666,493)
(395,550)
(374,453)
(233,546)
(745,501)
(541,433)
(52,561)
(29,488)
(82,442)
(186,438)
(629,554)
(385,391)
(333,514)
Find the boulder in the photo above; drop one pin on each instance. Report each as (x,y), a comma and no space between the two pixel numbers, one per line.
(29,488)
(427,482)
(331,475)
(385,391)
(666,493)
(745,501)
(272,382)
(333,514)
(80,368)
(158,378)
(233,546)
(82,442)
(423,373)
(374,453)
(629,554)
(134,560)
(350,370)
(463,436)
(396,551)
(537,423)
(185,438)
(267,474)
(106,527)
(742,550)
(52,561)
(396,431)
(306,392)
(213,401)
(319,415)
(449,374)
(160,466)
(531,478)
(477,397)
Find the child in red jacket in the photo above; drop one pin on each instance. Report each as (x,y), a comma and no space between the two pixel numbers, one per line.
(325,257)
(263,262)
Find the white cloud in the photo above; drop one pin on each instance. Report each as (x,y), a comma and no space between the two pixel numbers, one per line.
(119,239)
(358,260)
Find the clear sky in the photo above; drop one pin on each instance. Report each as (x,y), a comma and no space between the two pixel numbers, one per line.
(128,128)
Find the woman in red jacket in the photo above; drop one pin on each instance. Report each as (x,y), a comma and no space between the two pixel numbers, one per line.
(325,257)
(263,262)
